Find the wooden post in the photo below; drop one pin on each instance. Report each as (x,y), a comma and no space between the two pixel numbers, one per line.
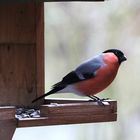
(21,60)
(21,53)
(8,122)
(40,51)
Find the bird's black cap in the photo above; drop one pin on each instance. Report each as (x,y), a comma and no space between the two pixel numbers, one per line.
(118,53)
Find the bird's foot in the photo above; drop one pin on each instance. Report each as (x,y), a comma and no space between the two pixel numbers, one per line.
(98,100)
(104,99)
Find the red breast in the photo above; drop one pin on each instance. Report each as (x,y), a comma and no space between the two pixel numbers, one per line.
(104,76)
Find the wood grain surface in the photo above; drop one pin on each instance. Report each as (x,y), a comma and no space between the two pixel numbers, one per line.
(72,113)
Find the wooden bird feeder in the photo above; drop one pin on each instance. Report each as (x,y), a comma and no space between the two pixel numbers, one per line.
(22,75)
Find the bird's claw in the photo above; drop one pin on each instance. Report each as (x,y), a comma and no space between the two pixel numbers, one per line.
(98,100)
(104,99)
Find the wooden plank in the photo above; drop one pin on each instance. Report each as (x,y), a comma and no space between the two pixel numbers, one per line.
(77,109)
(70,100)
(64,100)
(82,118)
(7,129)
(45,121)
(17,23)
(40,51)
(21,53)
(72,113)
(6,1)
(17,74)
(7,112)
(74,0)
(7,122)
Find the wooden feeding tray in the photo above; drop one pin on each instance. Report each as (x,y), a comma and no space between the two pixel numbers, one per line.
(61,111)
(58,112)
(22,75)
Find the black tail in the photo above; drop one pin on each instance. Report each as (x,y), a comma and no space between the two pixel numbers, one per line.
(57,87)
(46,94)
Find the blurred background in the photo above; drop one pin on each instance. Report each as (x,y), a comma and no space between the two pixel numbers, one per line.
(75,31)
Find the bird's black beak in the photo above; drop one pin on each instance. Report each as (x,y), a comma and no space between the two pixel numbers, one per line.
(123,58)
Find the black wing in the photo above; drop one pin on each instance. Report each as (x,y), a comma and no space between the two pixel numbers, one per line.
(72,78)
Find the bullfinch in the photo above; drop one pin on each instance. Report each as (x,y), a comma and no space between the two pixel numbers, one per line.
(91,77)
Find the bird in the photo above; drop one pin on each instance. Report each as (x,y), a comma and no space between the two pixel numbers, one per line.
(90,77)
